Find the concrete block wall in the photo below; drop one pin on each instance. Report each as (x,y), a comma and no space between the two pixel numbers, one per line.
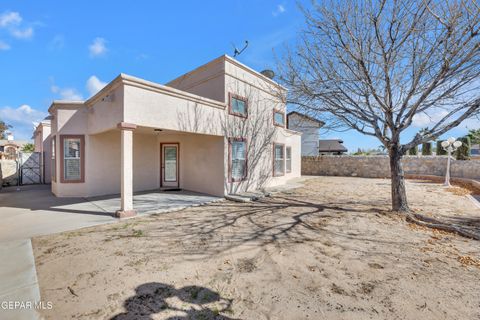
(8,173)
(379,167)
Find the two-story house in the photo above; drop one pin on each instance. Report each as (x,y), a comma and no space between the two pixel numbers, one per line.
(219,129)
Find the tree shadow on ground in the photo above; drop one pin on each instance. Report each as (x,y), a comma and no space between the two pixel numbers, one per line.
(219,227)
(196,303)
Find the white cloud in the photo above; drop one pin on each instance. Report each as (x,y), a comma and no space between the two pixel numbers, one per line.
(21,119)
(15,27)
(26,33)
(67,93)
(94,85)
(9,18)
(97,48)
(4,46)
(279,10)
(422,120)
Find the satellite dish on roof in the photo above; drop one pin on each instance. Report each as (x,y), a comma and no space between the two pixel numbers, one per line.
(268,73)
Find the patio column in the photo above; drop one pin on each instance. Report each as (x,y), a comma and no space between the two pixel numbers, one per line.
(126,209)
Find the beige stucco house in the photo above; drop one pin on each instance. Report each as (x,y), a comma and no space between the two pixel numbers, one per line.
(219,129)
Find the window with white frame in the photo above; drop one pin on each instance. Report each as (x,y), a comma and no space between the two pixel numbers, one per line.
(279,159)
(72,159)
(238,105)
(288,152)
(238,159)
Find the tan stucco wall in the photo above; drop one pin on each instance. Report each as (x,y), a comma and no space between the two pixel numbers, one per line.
(201,161)
(107,111)
(167,110)
(206,81)
(42,142)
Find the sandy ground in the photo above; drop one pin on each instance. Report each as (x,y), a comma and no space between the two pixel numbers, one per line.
(329,250)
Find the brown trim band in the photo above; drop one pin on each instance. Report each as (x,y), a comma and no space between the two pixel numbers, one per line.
(126,126)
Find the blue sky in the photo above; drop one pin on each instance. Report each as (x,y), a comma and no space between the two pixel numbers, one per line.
(69,49)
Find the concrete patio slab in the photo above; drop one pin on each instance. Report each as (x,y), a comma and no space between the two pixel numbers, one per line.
(19,282)
(33,210)
(154,201)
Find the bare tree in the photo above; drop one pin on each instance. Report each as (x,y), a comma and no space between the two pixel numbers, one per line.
(374,66)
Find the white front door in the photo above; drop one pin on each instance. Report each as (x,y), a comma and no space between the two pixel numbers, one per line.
(169,167)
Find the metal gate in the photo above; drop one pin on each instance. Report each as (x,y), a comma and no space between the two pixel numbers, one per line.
(30,167)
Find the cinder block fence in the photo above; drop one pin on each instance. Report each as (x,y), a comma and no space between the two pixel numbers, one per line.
(378,166)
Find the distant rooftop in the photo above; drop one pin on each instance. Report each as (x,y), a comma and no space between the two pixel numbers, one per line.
(331,145)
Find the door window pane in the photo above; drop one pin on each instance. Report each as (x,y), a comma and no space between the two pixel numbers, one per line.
(170,154)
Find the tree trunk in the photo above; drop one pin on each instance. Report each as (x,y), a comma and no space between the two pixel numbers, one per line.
(399,195)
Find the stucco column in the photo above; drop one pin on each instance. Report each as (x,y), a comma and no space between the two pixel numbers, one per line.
(126,209)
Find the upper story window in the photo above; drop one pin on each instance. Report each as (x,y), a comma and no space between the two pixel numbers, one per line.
(278,118)
(238,105)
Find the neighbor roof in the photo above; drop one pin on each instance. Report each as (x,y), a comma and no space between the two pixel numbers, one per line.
(19,143)
(331,145)
(321,123)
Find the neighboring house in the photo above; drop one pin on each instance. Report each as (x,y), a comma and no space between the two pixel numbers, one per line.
(331,147)
(309,127)
(218,129)
(10,147)
(475,150)
(43,144)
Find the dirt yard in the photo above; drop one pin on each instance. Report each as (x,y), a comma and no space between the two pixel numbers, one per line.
(329,250)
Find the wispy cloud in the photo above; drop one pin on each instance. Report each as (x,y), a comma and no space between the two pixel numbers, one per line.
(97,48)
(94,85)
(9,18)
(21,119)
(67,93)
(15,27)
(4,46)
(26,33)
(422,120)
(279,10)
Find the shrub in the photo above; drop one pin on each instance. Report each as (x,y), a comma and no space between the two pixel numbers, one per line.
(413,151)
(463,153)
(28,147)
(427,149)
(440,151)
